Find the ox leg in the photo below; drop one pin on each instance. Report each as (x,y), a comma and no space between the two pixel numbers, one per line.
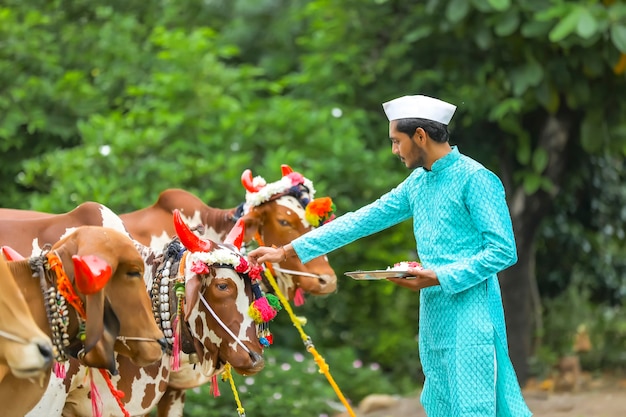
(171,403)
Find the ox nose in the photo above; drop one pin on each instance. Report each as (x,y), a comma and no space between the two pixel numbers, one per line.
(163,344)
(46,352)
(256,358)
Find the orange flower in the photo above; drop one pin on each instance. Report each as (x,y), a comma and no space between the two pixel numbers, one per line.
(319,211)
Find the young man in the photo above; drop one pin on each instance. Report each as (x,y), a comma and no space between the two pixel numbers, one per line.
(464,237)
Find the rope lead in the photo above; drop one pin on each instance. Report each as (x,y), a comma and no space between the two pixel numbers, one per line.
(308,343)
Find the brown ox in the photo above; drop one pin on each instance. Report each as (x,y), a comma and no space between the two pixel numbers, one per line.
(216,326)
(275,211)
(95,270)
(25,350)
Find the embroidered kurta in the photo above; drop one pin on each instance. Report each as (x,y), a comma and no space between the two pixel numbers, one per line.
(463,232)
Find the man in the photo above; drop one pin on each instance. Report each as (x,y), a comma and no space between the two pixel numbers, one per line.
(464,237)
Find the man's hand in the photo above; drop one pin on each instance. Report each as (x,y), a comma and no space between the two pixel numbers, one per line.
(264,254)
(423,278)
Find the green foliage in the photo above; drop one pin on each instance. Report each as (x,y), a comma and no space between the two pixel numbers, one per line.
(292,385)
(573,310)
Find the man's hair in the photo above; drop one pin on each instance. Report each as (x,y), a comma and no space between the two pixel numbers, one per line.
(437,131)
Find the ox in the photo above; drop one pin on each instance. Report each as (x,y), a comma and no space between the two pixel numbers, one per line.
(89,296)
(25,350)
(215,327)
(274,211)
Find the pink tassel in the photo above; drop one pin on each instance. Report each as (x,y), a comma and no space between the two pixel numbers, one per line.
(216,389)
(96,400)
(59,370)
(298,298)
(175,360)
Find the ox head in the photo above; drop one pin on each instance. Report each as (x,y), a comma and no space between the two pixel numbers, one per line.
(25,349)
(281,211)
(106,273)
(218,295)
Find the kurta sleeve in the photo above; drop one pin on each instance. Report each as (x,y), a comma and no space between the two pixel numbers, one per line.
(486,203)
(390,209)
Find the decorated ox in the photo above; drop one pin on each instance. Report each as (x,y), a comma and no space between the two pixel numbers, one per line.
(213,288)
(25,350)
(276,212)
(86,291)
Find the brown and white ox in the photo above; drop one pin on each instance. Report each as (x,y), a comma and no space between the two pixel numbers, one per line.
(277,219)
(25,350)
(87,293)
(216,325)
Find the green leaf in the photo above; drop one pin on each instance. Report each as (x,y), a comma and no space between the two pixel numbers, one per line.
(531,183)
(618,36)
(587,24)
(540,160)
(566,26)
(508,23)
(589,132)
(457,10)
(523,151)
(500,5)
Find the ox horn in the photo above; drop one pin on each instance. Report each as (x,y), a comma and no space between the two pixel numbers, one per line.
(188,238)
(11,254)
(91,273)
(286,169)
(246,180)
(235,236)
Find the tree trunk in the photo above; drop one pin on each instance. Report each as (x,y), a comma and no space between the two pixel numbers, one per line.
(527,212)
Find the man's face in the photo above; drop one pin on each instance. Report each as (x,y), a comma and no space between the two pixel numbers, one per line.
(407,148)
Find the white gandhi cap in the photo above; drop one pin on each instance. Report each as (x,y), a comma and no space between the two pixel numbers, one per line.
(422,107)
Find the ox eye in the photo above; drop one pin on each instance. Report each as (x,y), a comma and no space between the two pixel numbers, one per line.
(135,274)
(222,286)
(284,223)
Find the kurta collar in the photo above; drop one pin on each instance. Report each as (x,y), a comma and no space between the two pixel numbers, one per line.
(446,161)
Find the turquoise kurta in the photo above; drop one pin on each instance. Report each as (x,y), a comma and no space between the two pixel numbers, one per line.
(463,232)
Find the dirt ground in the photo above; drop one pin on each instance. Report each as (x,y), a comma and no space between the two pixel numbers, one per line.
(601,400)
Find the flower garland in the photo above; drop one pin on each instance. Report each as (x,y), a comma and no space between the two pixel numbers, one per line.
(201,261)
(283,185)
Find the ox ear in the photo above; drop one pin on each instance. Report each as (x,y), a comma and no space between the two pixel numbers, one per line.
(188,238)
(192,289)
(11,254)
(247,182)
(91,273)
(236,234)
(101,332)
(286,169)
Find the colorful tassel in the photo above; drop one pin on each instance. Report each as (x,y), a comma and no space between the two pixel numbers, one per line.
(214,388)
(96,399)
(298,298)
(261,311)
(59,370)
(175,360)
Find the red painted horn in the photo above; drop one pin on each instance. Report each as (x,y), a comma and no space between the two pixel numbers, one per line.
(286,169)
(188,238)
(11,254)
(246,180)
(235,236)
(91,273)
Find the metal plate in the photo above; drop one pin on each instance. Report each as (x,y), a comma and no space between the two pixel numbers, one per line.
(379,274)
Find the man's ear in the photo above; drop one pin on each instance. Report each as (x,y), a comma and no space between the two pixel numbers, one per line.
(420,134)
